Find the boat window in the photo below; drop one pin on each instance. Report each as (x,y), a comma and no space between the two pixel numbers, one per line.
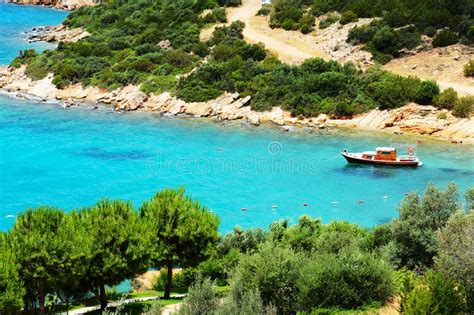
(386,153)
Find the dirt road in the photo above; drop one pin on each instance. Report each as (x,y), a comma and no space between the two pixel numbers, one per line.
(254,34)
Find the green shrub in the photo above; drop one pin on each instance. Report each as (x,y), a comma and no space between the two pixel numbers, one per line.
(446,99)
(159,84)
(445,38)
(201,298)
(405,281)
(469,68)
(201,49)
(426,92)
(414,232)
(181,280)
(455,241)
(198,93)
(24,57)
(463,107)
(59,82)
(289,25)
(306,23)
(241,301)
(252,51)
(286,15)
(264,11)
(386,40)
(435,294)
(325,281)
(229,3)
(441,115)
(348,17)
(37,68)
(388,91)
(430,31)
(273,271)
(325,23)
(217,15)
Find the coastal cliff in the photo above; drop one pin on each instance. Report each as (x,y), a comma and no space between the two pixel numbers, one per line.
(411,118)
(60,4)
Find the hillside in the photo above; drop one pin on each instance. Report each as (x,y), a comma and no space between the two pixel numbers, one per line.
(443,64)
(147,54)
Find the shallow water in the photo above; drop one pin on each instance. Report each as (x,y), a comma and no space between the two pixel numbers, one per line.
(72,157)
(15,20)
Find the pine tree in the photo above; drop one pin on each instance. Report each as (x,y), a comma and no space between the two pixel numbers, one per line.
(184,231)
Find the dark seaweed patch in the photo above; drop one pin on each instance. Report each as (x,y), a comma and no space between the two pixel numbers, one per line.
(455,171)
(99,153)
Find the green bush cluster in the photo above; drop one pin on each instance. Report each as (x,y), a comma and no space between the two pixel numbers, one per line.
(316,268)
(348,17)
(453,18)
(124,45)
(423,257)
(434,293)
(462,107)
(329,20)
(315,87)
(445,38)
(156,45)
(468,69)
(289,15)
(264,10)
(384,41)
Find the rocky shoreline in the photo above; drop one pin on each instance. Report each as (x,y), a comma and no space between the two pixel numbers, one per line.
(410,119)
(56,34)
(58,4)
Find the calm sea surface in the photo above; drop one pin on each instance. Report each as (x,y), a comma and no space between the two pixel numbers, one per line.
(72,157)
(16,20)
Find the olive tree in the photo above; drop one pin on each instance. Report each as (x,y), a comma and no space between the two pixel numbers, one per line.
(184,231)
(456,252)
(414,232)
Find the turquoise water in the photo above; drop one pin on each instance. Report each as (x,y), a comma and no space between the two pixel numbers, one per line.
(72,157)
(15,20)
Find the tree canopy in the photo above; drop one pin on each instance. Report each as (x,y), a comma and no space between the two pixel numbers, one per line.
(183,230)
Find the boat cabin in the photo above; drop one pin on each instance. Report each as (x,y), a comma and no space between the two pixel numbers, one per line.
(381,154)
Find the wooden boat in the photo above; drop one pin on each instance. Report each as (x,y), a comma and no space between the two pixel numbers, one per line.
(383,156)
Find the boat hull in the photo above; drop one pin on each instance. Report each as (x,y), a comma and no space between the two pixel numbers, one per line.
(359,160)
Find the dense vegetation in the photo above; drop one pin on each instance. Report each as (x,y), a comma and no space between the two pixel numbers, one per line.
(400,25)
(156,44)
(314,87)
(49,252)
(424,257)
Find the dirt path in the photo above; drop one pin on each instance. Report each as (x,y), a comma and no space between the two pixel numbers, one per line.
(293,47)
(257,33)
(165,310)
